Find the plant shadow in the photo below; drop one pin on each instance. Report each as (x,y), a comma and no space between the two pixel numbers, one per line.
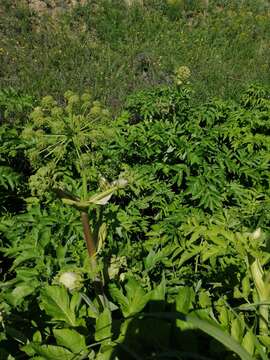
(163,333)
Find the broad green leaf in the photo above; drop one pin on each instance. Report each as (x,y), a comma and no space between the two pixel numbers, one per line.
(224,316)
(92,310)
(133,288)
(211,252)
(45,237)
(205,299)
(184,299)
(75,302)
(55,302)
(37,337)
(246,286)
(26,274)
(237,330)
(152,258)
(119,298)
(106,355)
(137,297)
(52,352)
(26,255)
(103,326)
(28,350)
(135,300)
(159,292)
(265,340)
(70,339)
(248,342)
(158,296)
(183,302)
(189,254)
(21,291)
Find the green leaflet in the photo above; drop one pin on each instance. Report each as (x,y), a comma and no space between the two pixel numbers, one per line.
(103,326)
(52,352)
(248,342)
(184,301)
(119,298)
(70,339)
(8,178)
(195,250)
(21,291)
(55,301)
(136,298)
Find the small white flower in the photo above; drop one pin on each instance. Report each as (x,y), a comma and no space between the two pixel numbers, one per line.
(256,234)
(70,280)
(120,182)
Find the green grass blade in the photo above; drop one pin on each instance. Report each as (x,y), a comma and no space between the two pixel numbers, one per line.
(209,328)
(219,335)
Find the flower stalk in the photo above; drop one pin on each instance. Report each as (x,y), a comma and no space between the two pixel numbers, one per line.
(88,236)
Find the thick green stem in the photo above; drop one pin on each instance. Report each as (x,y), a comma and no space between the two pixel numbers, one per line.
(91,248)
(88,236)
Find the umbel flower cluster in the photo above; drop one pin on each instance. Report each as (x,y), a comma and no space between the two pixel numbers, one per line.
(63,134)
(182,74)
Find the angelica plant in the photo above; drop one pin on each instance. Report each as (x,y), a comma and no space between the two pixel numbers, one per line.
(62,141)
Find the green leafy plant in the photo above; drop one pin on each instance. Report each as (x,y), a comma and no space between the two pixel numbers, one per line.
(183,250)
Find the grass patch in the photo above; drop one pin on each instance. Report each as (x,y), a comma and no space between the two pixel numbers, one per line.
(113,50)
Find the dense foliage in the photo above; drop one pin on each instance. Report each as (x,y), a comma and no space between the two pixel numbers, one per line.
(177,198)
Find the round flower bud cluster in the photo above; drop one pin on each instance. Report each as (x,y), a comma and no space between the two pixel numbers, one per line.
(42,180)
(61,134)
(48,102)
(86,98)
(182,74)
(37,117)
(72,280)
(85,160)
(57,111)
(28,133)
